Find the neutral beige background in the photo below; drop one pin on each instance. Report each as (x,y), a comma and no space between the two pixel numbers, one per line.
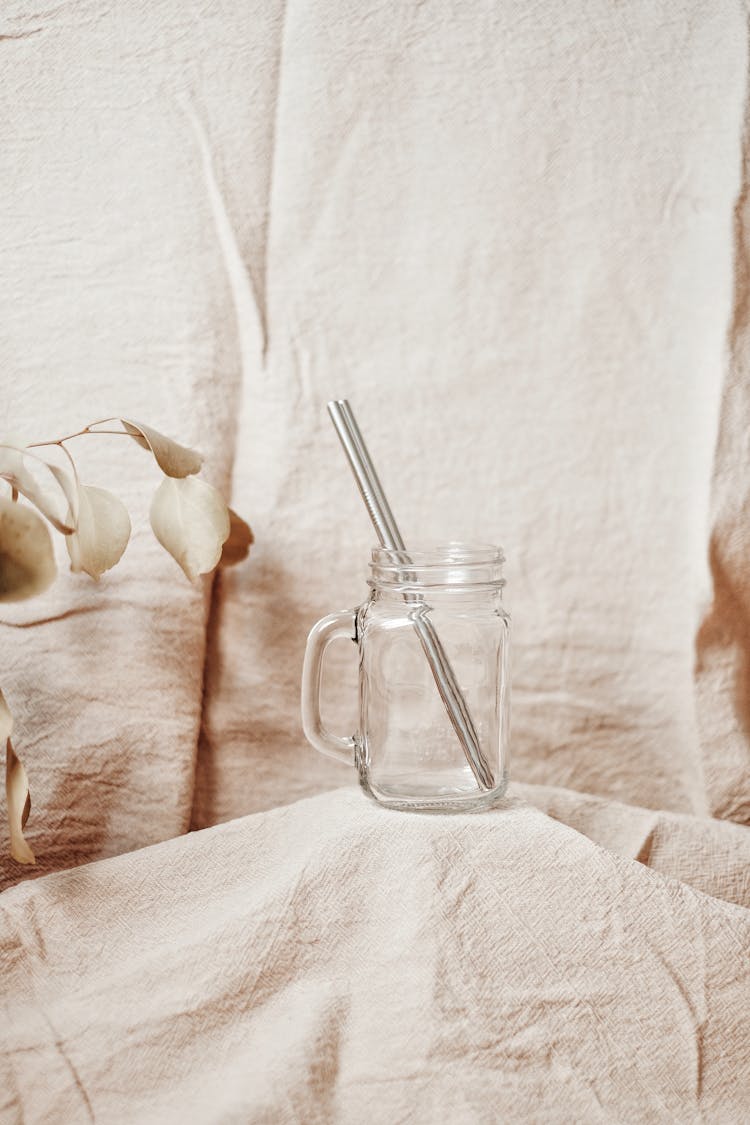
(515,236)
(520,272)
(508,237)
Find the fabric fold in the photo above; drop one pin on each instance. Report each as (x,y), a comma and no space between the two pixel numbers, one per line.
(333,961)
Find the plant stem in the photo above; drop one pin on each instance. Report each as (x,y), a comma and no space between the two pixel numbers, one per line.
(79,433)
(69,455)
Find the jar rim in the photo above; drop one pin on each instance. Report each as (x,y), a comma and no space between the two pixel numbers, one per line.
(443,565)
(452,552)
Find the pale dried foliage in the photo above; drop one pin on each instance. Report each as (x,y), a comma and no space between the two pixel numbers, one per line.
(238,542)
(174,460)
(27,561)
(188,516)
(102,532)
(16,789)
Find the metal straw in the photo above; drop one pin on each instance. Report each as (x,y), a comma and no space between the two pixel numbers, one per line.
(389,535)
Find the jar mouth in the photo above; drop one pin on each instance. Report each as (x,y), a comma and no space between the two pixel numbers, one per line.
(452,564)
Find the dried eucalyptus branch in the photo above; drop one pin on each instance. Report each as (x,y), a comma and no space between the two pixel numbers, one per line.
(188,516)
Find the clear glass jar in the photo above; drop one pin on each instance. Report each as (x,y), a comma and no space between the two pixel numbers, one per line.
(434,680)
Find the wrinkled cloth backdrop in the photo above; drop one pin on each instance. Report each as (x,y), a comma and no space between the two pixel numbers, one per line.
(517,242)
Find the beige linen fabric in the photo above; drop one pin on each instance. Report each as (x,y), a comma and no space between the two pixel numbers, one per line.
(509,237)
(115,299)
(333,961)
(711,855)
(723,648)
(509,241)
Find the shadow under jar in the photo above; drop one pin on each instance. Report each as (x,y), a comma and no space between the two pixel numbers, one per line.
(409,751)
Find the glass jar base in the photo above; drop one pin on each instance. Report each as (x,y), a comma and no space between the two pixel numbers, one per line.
(393,797)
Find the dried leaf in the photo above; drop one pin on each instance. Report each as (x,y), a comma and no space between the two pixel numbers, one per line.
(17,474)
(19,805)
(11,457)
(27,561)
(6,720)
(16,790)
(103,531)
(191,521)
(237,546)
(173,459)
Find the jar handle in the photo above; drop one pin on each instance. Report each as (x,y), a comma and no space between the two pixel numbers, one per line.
(342,624)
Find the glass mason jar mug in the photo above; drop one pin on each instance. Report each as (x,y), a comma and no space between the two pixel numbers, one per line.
(434,690)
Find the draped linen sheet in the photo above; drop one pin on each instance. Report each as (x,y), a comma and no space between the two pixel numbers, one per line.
(516,240)
(333,961)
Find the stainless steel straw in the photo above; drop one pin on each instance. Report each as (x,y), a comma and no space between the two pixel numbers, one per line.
(387,531)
